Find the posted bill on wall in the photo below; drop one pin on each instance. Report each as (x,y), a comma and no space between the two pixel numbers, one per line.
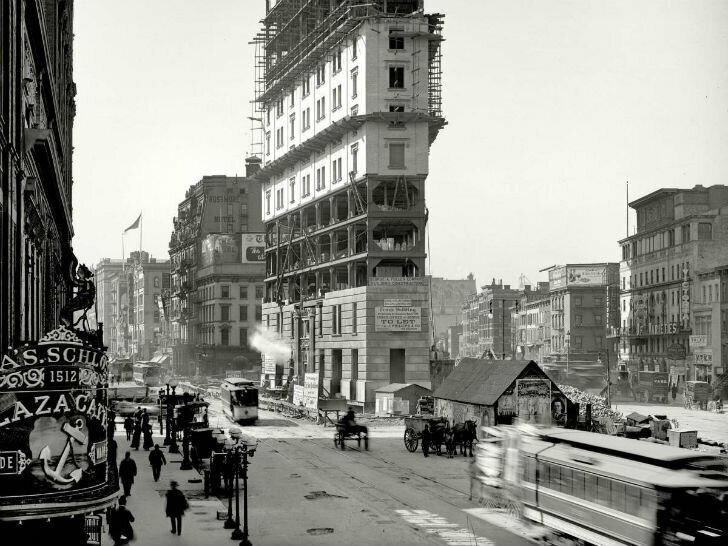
(398,319)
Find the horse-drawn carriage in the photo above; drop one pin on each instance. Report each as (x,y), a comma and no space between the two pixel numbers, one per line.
(441,433)
(696,395)
(346,432)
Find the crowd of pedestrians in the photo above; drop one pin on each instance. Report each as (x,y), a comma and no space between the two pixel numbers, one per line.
(120,518)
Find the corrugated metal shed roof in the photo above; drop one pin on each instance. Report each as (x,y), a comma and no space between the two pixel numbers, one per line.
(394,387)
(481,381)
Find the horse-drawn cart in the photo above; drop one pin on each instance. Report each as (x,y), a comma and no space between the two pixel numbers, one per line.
(413,432)
(356,432)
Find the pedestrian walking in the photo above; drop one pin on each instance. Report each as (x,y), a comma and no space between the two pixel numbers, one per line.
(112,421)
(148,440)
(426,438)
(156,459)
(127,471)
(119,521)
(176,506)
(137,435)
(129,427)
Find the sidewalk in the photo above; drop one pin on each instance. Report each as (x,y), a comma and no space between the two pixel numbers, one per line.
(147,502)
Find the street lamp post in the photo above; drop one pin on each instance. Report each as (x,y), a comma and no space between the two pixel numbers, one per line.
(246,450)
(185,415)
(229,466)
(173,447)
(167,438)
(567,340)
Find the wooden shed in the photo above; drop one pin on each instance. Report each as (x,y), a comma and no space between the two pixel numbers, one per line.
(493,392)
(398,398)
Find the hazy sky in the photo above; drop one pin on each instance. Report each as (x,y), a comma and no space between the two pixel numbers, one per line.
(551,106)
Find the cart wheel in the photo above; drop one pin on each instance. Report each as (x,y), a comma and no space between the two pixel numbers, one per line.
(410,440)
(341,440)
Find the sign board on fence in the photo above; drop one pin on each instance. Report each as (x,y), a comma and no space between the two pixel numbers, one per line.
(311,390)
(700,340)
(398,319)
(298,395)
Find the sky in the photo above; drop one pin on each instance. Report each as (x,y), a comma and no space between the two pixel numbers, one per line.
(551,108)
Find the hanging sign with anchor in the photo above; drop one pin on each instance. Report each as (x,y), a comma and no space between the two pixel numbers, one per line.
(53,425)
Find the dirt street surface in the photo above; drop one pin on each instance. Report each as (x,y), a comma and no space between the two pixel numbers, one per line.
(303,490)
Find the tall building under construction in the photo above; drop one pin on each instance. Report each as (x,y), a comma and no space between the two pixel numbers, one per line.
(348,103)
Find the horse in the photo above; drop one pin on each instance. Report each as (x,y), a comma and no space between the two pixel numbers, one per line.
(464,435)
(438,430)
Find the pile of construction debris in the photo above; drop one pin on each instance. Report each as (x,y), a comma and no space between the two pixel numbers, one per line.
(599,407)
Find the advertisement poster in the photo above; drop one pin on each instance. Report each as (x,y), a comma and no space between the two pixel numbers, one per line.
(534,400)
(398,319)
(252,248)
(586,276)
(557,278)
(311,390)
(53,426)
(219,249)
(298,395)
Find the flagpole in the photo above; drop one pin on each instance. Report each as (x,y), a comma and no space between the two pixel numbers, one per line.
(141,221)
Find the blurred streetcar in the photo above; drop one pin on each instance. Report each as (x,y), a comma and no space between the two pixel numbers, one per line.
(239,399)
(606,490)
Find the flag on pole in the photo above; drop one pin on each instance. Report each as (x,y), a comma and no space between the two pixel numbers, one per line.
(135,225)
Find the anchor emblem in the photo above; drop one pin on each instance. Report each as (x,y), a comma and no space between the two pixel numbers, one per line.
(74,433)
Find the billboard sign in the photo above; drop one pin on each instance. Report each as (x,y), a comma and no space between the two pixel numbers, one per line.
(53,427)
(311,390)
(586,275)
(703,357)
(700,340)
(252,248)
(557,278)
(218,249)
(398,319)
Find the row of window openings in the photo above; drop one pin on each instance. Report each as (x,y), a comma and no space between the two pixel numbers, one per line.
(320,114)
(209,337)
(665,239)
(208,313)
(336,321)
(208,292)
(558,303)
(558,322)
(653,276)
(395,43)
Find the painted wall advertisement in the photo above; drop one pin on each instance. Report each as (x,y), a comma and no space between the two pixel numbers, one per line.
(252,248)
(586,276)
(397,319)
(311,390)
(219,249)
(703,357)
(53,428)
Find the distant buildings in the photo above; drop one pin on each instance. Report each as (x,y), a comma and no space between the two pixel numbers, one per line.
(217,267)
(674,285)
(447,298)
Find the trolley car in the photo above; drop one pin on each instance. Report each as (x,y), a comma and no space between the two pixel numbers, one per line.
(239,400)
(611,491)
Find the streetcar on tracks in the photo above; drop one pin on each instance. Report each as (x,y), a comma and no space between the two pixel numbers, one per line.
(148,374)
(239,398)
(606,490)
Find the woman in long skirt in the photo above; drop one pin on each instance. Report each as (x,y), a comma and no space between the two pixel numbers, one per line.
(137,435)
(148,442)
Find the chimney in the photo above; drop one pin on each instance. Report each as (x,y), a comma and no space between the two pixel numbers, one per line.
(252,165)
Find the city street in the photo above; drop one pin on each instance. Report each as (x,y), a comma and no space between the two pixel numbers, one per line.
(303,490)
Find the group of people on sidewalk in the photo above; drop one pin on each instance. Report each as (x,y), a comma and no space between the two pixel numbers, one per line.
(120,518)
(138,426)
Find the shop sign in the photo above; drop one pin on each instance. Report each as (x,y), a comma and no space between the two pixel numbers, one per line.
(298,395)
(685,299)
(703,356)
(398,319)
(397,302)
(252,248)
(698,340)
(396,281)
(53,420)
(676,351)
